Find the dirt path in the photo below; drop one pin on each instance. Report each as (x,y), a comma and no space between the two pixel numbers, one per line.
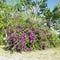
(49,54)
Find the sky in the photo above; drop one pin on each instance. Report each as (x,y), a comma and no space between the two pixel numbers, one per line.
(51,3)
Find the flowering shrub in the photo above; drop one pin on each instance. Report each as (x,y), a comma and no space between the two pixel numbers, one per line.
(28,37)
(23,35)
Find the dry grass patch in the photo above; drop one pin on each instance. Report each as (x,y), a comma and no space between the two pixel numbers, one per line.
(49,54)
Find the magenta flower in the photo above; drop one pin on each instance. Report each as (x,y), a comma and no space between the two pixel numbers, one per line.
(13,35)
(32,41)
(22,40)
(30,37)
(19,28)
(23,44)
(18,46)
(29,49)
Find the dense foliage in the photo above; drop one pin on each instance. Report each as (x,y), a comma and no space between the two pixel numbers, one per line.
(29,36)
(23,27)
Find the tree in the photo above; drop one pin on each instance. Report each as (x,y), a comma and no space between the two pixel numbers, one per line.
(52,16)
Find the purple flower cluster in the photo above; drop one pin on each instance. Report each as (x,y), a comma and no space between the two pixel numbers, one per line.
(29,49)
(31,36)
(27,38)
(19,28)
(22,39)
(13,35)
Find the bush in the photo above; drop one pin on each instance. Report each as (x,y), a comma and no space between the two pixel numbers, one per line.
(58,40)
(27,36)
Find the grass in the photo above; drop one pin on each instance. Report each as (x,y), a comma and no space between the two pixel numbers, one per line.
(49,54)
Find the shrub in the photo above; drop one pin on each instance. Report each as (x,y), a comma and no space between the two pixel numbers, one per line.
(28,37)
(58,40)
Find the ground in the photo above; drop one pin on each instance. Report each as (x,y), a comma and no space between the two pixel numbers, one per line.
(49,54)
